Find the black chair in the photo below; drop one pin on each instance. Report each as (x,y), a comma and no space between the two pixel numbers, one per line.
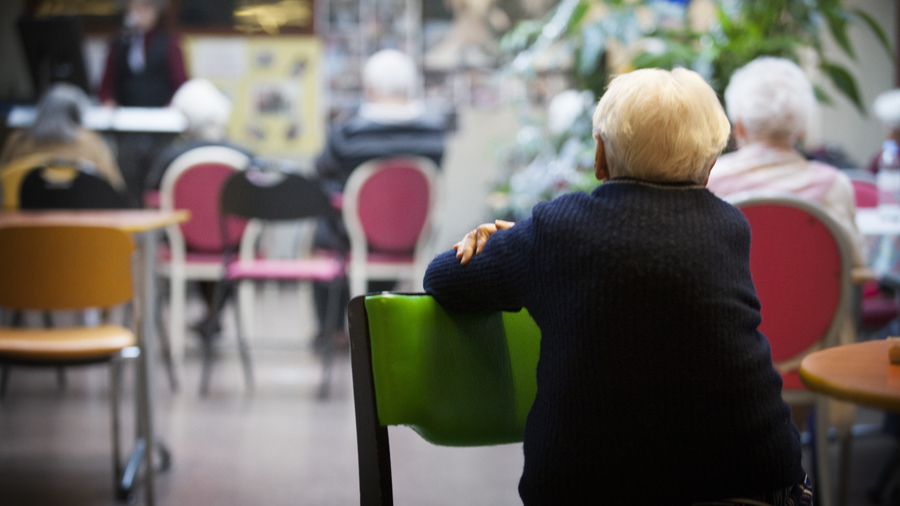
(69,186)
(269,196)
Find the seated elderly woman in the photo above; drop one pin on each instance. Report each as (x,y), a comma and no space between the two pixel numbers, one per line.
(207,111)
(768,101)
(57,132)
(654,384)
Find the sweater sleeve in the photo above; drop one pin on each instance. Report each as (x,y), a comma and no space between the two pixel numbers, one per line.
(496,279)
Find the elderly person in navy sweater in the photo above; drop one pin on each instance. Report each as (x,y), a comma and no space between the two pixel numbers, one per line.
(654,384)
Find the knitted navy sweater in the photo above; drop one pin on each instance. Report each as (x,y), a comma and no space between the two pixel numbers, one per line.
(654,384)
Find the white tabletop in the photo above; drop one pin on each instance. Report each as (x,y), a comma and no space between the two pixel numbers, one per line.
(119,119)
(870,222)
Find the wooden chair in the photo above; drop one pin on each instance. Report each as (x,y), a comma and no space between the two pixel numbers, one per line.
(193,182)
(801,261)
(456,379)
(388,208)
(266,197)
(52,268)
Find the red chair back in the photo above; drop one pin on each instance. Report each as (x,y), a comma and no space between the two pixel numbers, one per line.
(800,267)
(393,205)
(866,193)
(197,190)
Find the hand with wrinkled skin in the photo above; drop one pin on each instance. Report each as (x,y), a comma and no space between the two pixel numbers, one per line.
(474,241)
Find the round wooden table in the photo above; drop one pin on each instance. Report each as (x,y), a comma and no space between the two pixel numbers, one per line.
(859,373)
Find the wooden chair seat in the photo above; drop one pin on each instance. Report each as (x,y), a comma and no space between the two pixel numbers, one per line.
(58,344)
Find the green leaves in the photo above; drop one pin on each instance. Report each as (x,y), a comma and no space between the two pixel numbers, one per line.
(844,82)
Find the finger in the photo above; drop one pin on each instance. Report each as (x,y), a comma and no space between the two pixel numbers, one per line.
(468,248)
(503,224)
(482,234)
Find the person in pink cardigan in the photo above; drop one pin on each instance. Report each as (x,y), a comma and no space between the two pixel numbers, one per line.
(768,102)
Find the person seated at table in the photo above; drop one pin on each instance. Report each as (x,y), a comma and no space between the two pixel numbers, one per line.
(58,132)
(655,385)
(390,122)
(207,111)
(887,109)
(768,101)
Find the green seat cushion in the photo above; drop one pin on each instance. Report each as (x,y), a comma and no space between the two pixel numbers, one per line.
(458,379)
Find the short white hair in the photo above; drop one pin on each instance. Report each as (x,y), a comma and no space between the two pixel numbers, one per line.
(887,108)
(206,109)
(772,98)
(661,125)
(390,73)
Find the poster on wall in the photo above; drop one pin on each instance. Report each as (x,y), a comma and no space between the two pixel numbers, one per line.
(274,86)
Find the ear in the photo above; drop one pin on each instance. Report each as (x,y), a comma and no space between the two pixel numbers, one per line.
(601,168)
(711,165)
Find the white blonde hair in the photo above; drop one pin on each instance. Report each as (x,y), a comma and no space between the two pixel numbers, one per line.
(206,109)
(772,98)
(887,108)
(661,125)
(390,73)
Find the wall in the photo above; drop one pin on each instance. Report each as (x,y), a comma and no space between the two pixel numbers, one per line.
(841,124)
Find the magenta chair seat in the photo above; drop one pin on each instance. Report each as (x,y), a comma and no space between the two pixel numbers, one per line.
(312,269)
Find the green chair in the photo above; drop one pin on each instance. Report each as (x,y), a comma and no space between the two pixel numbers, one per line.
(456,379)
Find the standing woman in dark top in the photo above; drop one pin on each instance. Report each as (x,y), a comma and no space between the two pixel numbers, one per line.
(144,68)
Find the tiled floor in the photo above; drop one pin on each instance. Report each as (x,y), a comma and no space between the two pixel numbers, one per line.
(276,446)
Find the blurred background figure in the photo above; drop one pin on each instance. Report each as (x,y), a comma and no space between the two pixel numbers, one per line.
(144,65)
(887,109)
(144,68)
(390,122)
(58,132)
(207,111)
(768,101)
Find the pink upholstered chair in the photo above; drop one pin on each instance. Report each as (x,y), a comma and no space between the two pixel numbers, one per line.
(194,251)
(876,308)
(388,207)
(801,261)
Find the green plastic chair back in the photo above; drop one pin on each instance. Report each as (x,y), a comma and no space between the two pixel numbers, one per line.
(457,379)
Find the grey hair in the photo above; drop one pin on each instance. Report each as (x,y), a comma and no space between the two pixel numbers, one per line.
(206,109)
(390,73)
(660,125)
(59,114)
(887,108)
(772,99)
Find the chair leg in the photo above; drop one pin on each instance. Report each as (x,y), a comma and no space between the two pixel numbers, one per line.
(165,344)
(61,381)
(206,369)
(4,380)
(115,370)
(177,302)
(331,326)
(822,453)
(242,345)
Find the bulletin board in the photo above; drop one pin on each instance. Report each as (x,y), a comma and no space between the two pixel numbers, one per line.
(274,85)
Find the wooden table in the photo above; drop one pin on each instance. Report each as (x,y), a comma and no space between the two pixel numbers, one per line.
(859,373)
(146,223)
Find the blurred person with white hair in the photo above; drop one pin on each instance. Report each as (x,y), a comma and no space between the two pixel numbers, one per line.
(768,101)
(390,122)
(207,112)
(650,347)
(57,130)
(887,109)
